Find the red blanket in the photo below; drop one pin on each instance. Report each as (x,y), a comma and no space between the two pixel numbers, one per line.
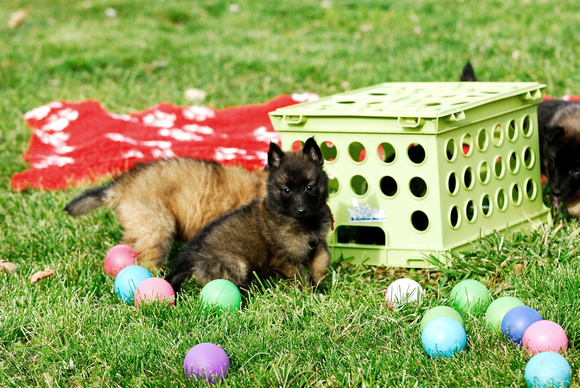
(79,142)
(76,143)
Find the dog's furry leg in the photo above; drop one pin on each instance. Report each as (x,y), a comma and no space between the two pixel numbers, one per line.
(181,270)
(320,265)
(291,271)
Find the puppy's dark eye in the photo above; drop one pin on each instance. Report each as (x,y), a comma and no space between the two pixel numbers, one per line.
(575,172)
(286,190)
(310,188)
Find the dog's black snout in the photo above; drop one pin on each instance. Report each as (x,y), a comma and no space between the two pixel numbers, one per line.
(556,191)
(301,211)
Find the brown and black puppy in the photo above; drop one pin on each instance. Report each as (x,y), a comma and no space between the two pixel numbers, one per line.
(282,233)
(559,135)
(167,200)
(559,126)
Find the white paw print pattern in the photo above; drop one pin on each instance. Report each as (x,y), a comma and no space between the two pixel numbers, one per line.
(228,153)
(160,119)
(262,134)
(53,131)
(198,113)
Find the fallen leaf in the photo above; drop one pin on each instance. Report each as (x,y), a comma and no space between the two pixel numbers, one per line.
(196,95)
(7,266)
(41,275)
(17,18)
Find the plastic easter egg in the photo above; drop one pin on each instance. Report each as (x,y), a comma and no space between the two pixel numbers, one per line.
(516,321)
(221,293)
(440,311)
(443,337)
(127,281)
(119,257)
(470,296)
(154,289)
(206,361)
(547,369)
(498,308)
(545,336)
(402,291)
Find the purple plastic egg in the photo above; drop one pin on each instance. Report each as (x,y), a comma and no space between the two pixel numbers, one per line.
(206,361)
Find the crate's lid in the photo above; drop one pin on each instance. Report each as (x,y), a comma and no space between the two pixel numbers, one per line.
(413,99)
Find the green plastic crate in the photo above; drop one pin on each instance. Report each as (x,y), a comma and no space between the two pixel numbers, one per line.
(423,168)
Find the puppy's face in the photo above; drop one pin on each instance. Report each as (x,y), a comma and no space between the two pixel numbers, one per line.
(562,162)
(297,185)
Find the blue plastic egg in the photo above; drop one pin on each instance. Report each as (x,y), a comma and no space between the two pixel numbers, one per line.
(443,337)
(547,369)
(127,281)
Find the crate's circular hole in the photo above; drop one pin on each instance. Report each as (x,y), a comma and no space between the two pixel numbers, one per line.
(497,135)
(454,219)
(467,144)
(420,220)
(359,185)
(386,152)
(529,157)
(501,199)
(297,146)
(452,184)
(389,186)
(516,194)
(527,127)
(482,139)
(468,180)
(513,163)
(531,189)
(499,167)
(333,185)
(483,172)
(416,153)
(512,131)
(418,187)
(329,151)
(486,205)
(357,151)
(450,150)
(470,211)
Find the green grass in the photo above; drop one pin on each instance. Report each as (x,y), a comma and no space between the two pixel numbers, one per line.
(72,330)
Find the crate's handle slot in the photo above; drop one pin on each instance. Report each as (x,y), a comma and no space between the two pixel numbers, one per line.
(457,116)
(410,122)
(532,95)
(294,119)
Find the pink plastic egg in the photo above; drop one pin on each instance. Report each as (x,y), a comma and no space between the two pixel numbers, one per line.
(544,336)
(154,289)
(119,257)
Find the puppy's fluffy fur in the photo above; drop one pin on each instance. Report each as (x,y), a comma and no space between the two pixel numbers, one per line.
(167,200)
(281,233)
(559,125)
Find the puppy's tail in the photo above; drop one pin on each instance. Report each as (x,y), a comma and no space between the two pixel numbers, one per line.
(89,200)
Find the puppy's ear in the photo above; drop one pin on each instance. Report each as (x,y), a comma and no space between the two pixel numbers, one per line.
(468,74)
(275,157)
(313,151)
(553,134)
